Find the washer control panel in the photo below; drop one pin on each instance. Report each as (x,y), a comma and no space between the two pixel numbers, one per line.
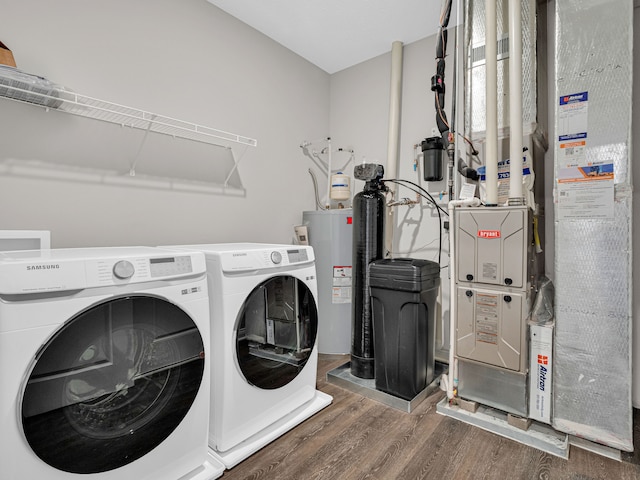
(168,266)
(76,269)
(297,255)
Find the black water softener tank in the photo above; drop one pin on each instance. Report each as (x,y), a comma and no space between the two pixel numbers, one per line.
(368,245)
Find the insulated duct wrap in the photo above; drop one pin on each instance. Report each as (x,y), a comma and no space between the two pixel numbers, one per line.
(592,345)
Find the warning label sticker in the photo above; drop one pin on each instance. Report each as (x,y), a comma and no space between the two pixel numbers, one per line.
(342,271)
(490,271)
(573,120)
(341,295)
(487,318)
(341,284)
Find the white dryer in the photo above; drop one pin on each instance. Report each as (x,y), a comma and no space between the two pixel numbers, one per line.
(103,365)
(264,324)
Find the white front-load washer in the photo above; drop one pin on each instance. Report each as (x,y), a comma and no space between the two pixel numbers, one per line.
(103,365)
(264,323)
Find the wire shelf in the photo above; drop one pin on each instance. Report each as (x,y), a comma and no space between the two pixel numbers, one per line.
(16,85)
(150,166)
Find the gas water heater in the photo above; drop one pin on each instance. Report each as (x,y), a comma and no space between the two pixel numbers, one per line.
(331,236)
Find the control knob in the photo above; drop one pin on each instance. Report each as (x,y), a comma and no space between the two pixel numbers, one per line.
(123,269)
(276,257)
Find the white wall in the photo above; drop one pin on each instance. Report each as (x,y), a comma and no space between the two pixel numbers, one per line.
(187,60)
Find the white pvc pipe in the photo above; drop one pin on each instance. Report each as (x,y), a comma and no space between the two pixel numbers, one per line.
(328,204)
(451,379)
(491,145)
(395,103)
(515,102)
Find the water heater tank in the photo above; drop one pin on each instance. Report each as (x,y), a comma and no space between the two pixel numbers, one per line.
(331,236)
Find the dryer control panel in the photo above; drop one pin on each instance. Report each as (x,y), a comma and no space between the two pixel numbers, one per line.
(261,259)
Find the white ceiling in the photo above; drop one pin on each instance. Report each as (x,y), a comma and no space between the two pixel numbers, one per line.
(336,34)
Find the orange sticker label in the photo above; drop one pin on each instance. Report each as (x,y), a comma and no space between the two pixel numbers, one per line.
(488,233)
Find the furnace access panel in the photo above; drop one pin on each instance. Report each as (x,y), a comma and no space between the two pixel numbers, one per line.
(493,255)
(490,327)
(492,246)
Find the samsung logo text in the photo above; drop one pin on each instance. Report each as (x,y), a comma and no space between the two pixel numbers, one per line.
(50,266)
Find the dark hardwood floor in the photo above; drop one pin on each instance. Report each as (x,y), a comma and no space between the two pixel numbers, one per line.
(358,438)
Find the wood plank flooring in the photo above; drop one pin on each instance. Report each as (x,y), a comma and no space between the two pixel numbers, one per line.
(356,438)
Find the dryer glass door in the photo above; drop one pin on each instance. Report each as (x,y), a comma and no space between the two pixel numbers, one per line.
(276,331)
(112,384)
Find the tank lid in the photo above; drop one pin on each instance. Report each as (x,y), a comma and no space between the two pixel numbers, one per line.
(412,272)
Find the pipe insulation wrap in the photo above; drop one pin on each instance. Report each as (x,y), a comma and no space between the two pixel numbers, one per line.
(393,148)
(515,102)
(491,145)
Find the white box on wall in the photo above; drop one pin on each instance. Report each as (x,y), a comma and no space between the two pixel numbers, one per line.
(540,372)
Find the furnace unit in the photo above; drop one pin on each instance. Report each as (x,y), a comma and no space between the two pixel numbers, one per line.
(493,294)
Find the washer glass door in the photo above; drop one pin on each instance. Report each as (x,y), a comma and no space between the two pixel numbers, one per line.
(112,384)
(276,331)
